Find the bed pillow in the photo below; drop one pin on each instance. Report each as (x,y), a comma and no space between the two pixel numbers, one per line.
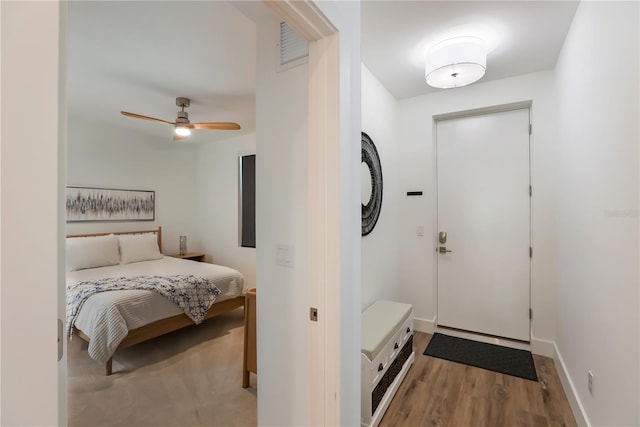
(138,247)
(92,252)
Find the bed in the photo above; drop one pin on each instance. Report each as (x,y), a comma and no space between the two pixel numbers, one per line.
(117,319)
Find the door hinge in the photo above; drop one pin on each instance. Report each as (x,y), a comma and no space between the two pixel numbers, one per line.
(313,314)
(530,252)
(530,128)
(530,314)
(530,191)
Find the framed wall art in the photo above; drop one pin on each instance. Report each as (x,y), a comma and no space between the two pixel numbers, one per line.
(85,204)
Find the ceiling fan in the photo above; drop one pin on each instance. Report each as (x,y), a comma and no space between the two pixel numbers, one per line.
(182,125)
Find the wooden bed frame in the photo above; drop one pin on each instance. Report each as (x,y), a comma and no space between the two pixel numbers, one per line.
(163,326)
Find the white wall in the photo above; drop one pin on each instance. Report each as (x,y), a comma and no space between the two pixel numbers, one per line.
(31,222)
(597,215)
(281,218)
(380,247)
(107,157)
(217,204)
(416,155)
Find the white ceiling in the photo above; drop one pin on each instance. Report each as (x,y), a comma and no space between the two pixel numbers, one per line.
(139,56)
(529,36)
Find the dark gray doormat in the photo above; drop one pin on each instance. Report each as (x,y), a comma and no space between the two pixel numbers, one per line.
(505,360)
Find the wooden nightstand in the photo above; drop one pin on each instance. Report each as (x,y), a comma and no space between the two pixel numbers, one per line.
(250,361)
(193,256)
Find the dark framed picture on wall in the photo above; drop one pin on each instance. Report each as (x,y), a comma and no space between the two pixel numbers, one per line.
(86,204)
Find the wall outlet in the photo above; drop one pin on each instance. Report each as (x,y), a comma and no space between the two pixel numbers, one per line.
(590,375)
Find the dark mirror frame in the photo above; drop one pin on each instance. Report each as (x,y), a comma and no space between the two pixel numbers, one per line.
(371,211)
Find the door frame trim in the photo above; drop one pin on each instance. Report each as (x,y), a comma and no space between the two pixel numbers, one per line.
(502,108)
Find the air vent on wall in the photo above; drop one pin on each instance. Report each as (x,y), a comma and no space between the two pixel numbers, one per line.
(292,45)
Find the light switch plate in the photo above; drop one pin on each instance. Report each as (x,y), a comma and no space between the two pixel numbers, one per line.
(284,255)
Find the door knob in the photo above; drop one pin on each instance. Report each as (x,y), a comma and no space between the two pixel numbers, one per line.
(443,250)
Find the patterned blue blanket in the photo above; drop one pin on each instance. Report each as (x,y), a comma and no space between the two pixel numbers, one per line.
(195,295)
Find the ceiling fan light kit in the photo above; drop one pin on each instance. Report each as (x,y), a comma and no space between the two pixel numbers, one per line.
(182,130)
(182,120)
(456,62)
(182,126)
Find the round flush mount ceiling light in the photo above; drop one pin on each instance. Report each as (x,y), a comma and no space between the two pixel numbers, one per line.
(456,62)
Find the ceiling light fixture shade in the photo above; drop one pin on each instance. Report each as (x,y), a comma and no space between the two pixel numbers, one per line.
(456,62)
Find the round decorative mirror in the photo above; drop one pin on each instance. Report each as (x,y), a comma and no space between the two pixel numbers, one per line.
(371,171)
(367,186)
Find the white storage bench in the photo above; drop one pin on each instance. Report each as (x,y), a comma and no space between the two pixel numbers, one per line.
(387,355)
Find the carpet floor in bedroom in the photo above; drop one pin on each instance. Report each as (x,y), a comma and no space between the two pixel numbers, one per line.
(191,377)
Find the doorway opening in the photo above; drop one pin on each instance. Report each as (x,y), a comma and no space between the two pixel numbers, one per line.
(325,103)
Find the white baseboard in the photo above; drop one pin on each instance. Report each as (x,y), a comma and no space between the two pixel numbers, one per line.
(569,390)
(542,347)
(424,325)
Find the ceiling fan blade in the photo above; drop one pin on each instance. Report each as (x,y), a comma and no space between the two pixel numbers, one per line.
(138,116)
(217,126)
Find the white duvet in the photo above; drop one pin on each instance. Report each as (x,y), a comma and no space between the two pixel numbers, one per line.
(107,317)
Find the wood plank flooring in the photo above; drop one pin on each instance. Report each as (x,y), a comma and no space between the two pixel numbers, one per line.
(438,392)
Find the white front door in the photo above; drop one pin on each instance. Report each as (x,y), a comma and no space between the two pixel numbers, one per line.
(483,207)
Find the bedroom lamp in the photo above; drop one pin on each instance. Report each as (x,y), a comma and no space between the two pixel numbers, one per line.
(456,62)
